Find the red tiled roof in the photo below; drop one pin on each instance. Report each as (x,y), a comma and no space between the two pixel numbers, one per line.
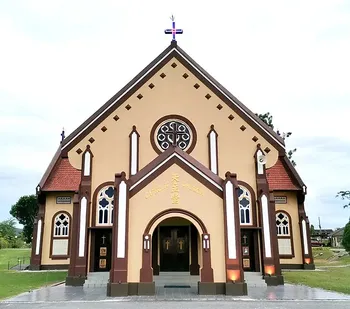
(64,177)
(278,178)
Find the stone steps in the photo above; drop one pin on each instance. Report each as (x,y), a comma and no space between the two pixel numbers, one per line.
(176,278)
(254,279)
(96,280)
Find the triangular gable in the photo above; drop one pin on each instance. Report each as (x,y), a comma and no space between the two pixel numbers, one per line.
(174,155)
(172,51)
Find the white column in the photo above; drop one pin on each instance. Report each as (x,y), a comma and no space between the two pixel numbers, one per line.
(121,220)
(305,240)
(82,228)
(134,150)
(230,221)
(266,225)
(213,152)
(87,163)
(259,164)
(38,237)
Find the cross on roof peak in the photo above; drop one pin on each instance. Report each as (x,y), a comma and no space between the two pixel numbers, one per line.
(173,30)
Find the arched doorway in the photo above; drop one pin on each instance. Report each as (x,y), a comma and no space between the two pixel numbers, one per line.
(175,246)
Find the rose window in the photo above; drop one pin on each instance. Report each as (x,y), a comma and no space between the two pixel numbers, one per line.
(174,132)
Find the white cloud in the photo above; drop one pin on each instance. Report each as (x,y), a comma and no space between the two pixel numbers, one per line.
(61,60)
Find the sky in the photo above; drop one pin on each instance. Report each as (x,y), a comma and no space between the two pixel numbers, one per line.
(61,60)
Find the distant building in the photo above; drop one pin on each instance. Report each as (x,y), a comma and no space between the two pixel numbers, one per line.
(337,237)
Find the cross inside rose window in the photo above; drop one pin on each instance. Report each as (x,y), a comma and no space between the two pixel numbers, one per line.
(174,132)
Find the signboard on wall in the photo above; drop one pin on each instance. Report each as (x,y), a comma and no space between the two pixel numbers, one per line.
(63,200)
(280,199)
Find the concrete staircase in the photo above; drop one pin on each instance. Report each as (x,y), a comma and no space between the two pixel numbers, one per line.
(97,280)
(175,279)
(254,279)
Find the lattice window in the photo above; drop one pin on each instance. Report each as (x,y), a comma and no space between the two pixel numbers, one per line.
(245,206)
(173,130)
(282,224)
(105,206)
(61,225)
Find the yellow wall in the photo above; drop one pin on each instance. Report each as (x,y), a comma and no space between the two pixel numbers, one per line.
(51,209)
(292,209)
(173,95)
(207,206)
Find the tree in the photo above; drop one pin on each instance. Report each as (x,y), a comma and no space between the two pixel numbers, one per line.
(312,230)
(344,195)
(25,211)
(7,233)
(268,119)
(346,237)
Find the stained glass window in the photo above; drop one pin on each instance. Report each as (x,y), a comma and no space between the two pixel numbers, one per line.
(105,206)
(282,224)
(245,208)
(61,225)
(173,131)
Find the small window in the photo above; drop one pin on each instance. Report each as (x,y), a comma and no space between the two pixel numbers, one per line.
(245,206)
(105,206)
(60,235)
(284,234)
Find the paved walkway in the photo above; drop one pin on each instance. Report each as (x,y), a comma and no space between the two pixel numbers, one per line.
(69,297)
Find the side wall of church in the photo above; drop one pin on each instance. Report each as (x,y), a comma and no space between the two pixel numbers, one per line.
(51,209)
(193,197)
(292,209)
(170,95)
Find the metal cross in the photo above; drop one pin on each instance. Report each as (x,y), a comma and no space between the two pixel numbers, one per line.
(62,135)
(173,31)
(103,239)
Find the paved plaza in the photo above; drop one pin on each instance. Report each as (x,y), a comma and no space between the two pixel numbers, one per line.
(288,296)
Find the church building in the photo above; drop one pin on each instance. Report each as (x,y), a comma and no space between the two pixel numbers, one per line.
(172,175)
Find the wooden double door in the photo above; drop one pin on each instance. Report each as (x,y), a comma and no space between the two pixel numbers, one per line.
(174,248)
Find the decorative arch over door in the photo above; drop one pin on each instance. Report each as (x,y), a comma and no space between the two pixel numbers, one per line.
(146,272)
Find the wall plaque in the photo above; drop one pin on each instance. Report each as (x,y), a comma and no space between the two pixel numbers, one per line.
(103,251)
(246,263)
(103,263)
(63,200)
(280,199)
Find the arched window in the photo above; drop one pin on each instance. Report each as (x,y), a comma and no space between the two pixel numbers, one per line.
(61,225)
(105,206)
(245,206)
(284,234)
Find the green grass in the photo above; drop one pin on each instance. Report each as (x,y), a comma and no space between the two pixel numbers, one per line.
(330,278)
(334,279)
(14,282)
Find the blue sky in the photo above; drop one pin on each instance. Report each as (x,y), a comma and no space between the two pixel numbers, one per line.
(61,60)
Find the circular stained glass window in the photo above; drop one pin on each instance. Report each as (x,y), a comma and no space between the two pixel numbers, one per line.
(173,132)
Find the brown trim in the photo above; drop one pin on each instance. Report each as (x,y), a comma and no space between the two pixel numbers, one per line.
(130,150)
(233,266)
(212,129)
(94,203)
(175,211)
(286,256)
(60,257)
(50,168)
(162,157)
(253,202)
(292,172)
(302,216)
(149,71)
(119,266)
(54,267)
(194,266)
(92,250)
(262,188)
(35,260)
(168,117)
(88,177)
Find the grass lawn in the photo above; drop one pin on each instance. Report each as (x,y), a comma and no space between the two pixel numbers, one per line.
(15,282)
(330,278)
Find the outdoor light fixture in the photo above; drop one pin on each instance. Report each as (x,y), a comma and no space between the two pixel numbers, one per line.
(269,270)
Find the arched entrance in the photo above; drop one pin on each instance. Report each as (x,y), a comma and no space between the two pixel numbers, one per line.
(175,247)
(176,240)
